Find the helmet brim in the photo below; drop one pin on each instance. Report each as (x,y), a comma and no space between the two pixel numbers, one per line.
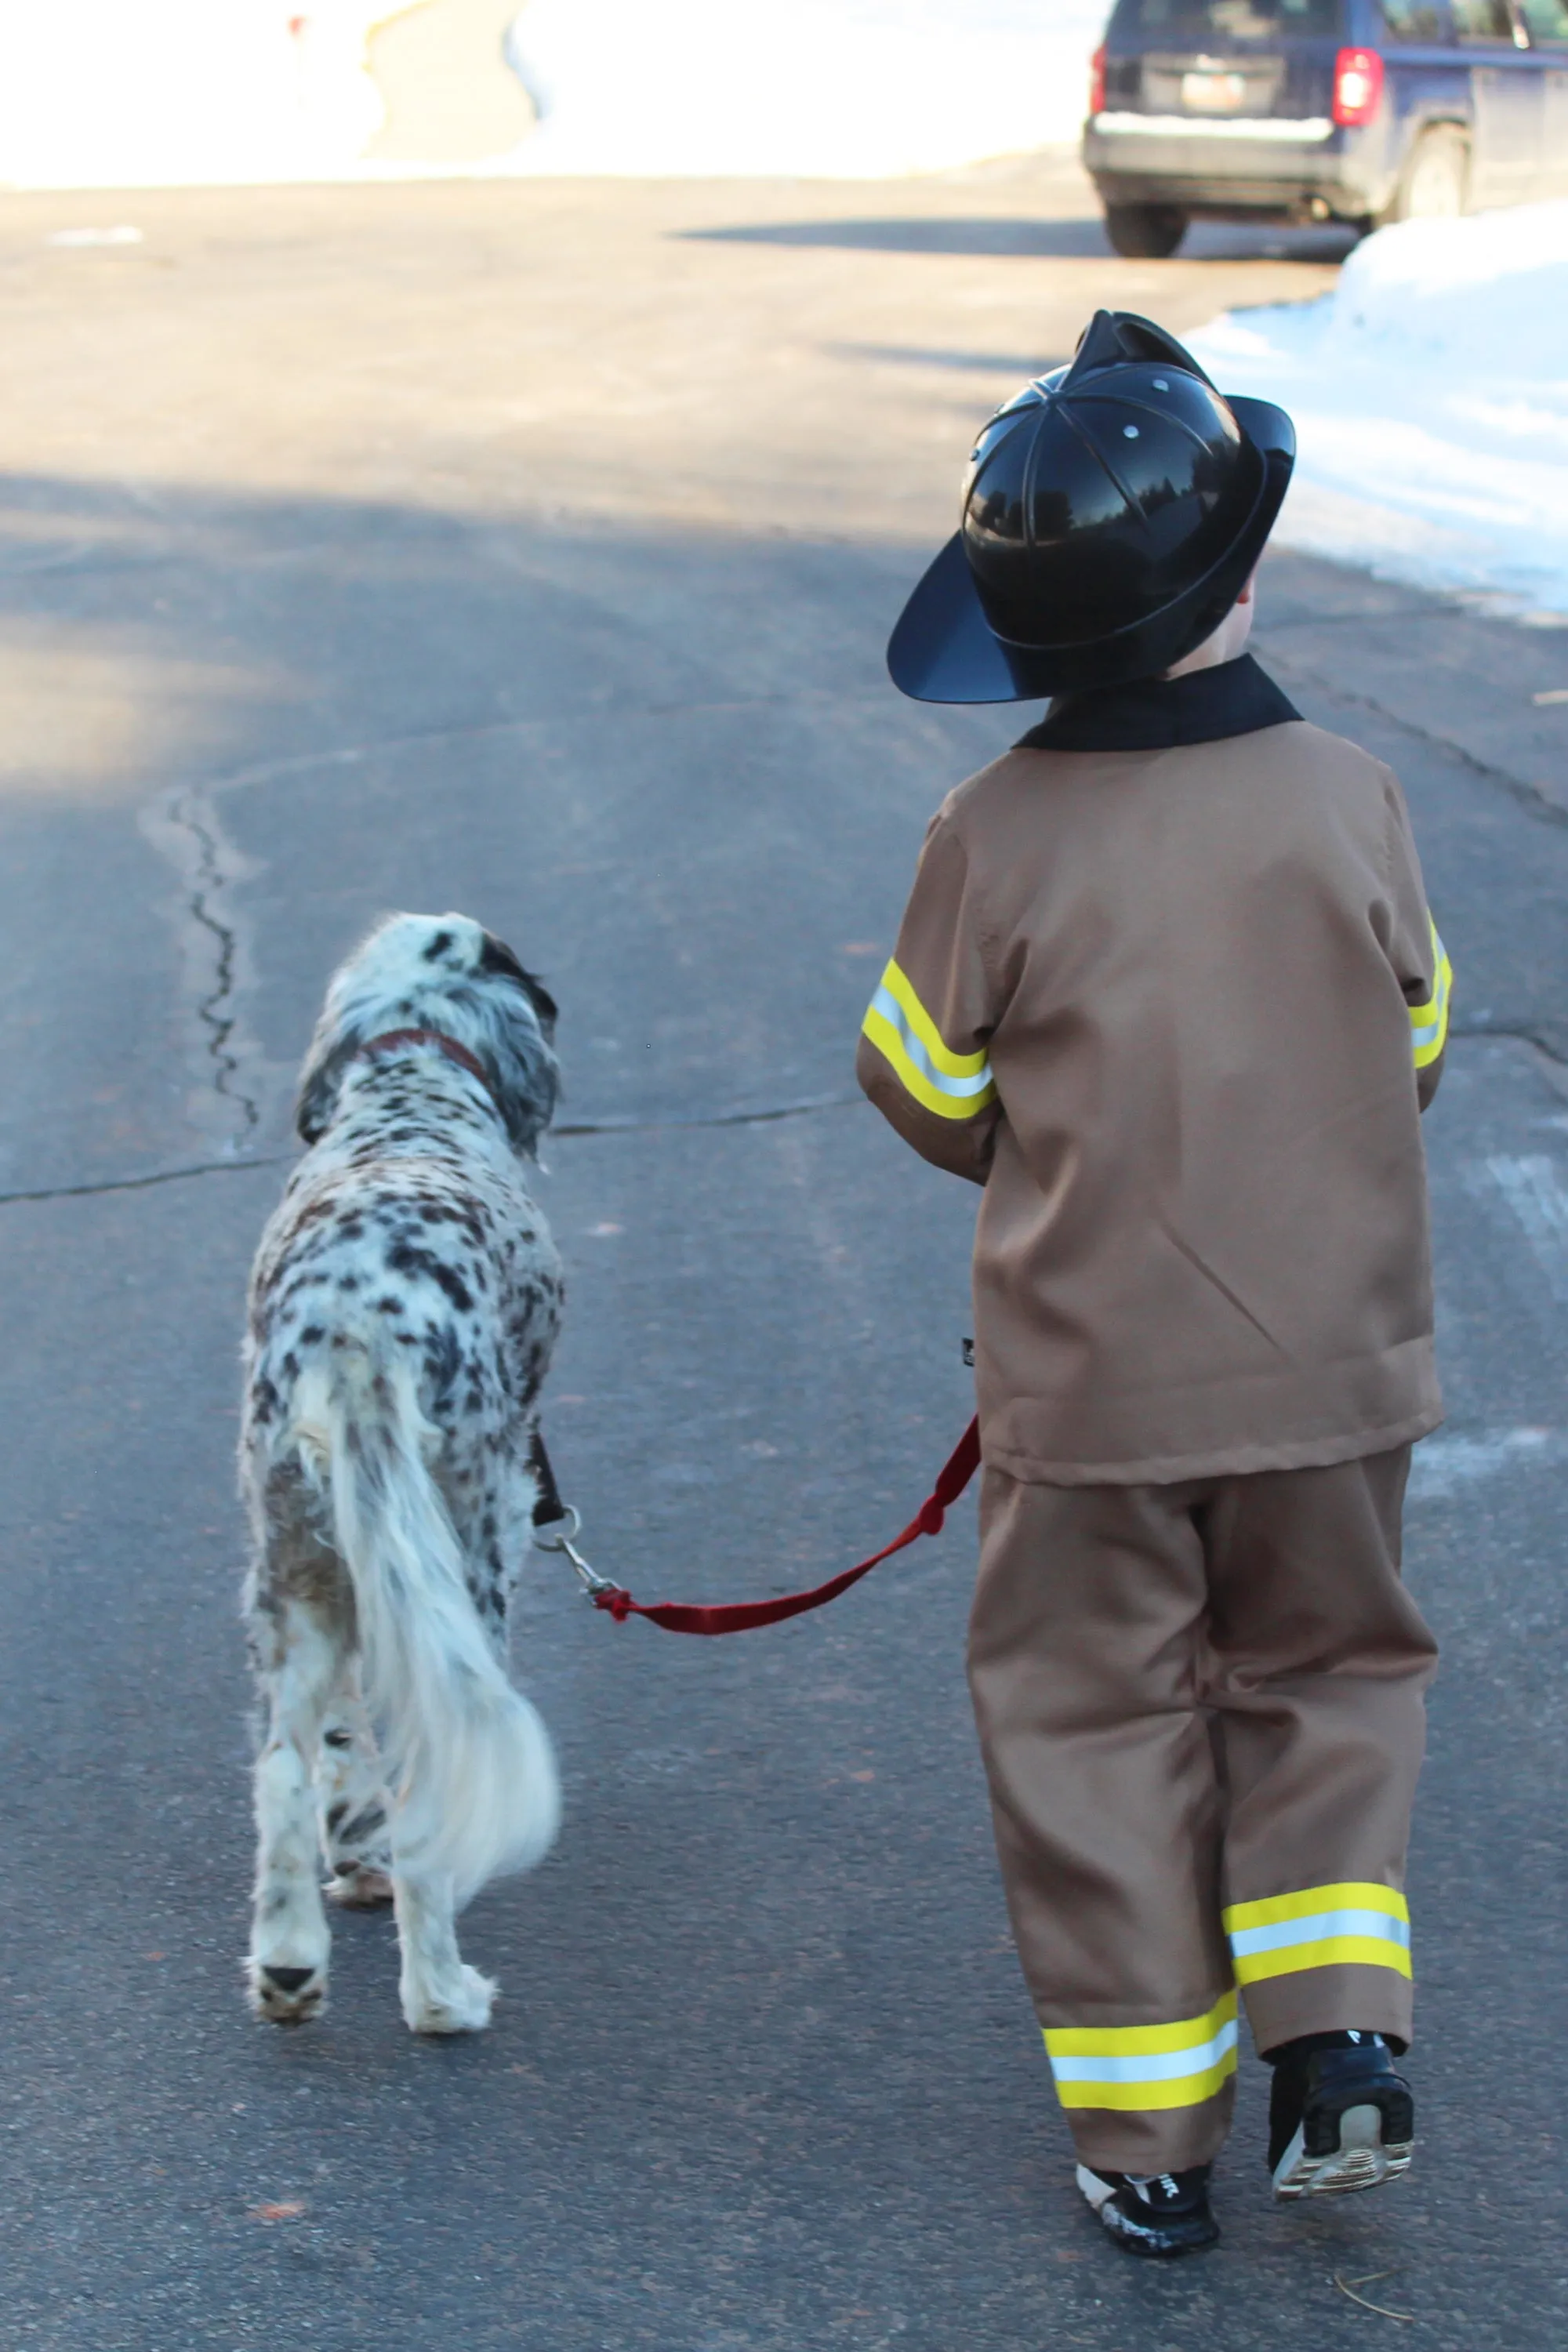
(944,649)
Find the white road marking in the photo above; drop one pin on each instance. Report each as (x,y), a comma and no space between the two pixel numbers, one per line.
(1534,1192)
(1443,1467)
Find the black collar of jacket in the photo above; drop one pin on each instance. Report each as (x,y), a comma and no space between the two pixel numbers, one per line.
(1153,714)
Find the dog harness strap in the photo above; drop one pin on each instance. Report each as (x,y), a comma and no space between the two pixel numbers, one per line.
(746,1616)
(454,1050)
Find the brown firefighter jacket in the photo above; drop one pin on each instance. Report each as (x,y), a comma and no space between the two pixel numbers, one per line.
(1167,986)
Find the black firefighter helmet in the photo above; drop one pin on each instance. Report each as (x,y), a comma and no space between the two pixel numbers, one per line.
(1112,513)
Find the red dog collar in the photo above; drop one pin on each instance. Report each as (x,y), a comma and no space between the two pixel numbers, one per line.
(390,1039)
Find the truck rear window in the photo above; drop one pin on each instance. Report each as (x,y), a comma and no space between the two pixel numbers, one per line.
(1235,20)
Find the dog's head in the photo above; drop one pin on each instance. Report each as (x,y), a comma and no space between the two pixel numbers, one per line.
(445,973)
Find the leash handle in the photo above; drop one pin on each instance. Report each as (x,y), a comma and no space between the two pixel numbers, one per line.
(749,1616)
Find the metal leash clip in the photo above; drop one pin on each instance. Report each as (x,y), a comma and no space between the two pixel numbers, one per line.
(565,1540)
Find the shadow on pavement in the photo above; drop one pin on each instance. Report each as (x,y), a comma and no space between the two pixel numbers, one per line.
(1056,240)
(1059,238)
(917,355)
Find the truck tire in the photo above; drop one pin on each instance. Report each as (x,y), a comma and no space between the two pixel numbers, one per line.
(1145,232)
(1436,182)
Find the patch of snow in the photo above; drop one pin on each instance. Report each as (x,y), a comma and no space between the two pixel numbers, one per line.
(818,88)
(124,234)
(103,94)
(1430,395)
(134,93)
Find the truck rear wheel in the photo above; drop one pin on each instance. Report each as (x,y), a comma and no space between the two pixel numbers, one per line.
(1434,183)
(1145,232)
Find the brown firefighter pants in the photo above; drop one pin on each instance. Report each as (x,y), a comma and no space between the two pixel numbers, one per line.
(1201,1710)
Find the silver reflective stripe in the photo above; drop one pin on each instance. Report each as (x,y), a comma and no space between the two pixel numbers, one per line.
(1152,2066)
(1319,1927)
(1220,126)
(893,1014)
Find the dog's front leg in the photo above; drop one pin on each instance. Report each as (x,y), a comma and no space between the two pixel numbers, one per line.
(287,1967)
(440,1993)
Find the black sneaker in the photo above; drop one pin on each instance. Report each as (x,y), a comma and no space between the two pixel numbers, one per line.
(1340,2117)
(1158,2213)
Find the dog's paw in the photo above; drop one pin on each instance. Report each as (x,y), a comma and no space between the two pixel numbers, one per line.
(455,2004)
(357,1886)
(285,1996)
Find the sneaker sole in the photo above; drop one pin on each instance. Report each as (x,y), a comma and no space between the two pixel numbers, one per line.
(1153,2245)
(1361,2160)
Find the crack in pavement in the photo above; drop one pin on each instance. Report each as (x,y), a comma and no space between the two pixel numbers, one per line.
(629,1123)
(239,1084)
(145,1183)
(1518,1034)
(612,710)
(1534,797)
(216,1010)
(233,1080)
(769,1115)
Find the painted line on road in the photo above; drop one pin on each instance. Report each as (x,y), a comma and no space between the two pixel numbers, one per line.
(1444,1467)
(1534,1192)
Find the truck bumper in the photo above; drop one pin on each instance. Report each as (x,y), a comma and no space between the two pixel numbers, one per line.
(1294,171)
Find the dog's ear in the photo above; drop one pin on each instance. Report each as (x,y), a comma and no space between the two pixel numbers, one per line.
(524,1074)
(519,1047)
(497,957)
(516,1042)
(319,1084)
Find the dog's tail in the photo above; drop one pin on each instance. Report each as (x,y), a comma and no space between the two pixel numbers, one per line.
(469,1763)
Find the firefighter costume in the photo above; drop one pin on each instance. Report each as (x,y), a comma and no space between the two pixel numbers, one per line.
(1168,988)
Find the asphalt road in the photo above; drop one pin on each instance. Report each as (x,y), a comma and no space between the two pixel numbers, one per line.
(530,551)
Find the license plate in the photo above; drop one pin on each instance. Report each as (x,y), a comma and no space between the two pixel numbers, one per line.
(1214,93)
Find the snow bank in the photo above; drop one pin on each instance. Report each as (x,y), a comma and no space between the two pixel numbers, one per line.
(824,88)
(127,93)
(1430,395)
(133,93)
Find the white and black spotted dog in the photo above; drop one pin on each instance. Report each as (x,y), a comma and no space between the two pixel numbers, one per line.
(403,1306)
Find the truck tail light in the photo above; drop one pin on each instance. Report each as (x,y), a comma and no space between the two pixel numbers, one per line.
(1097,81)
(1358,87)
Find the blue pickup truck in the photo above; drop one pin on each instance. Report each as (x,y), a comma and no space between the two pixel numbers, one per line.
(1356,111)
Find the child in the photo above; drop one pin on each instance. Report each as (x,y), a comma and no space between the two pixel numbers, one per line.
(1167,987)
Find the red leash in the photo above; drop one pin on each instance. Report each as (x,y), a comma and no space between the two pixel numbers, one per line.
(746,1616)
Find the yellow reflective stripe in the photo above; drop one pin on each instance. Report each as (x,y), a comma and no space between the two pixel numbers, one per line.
(951,1065)
(1139,2041)
(1333,1952)
(1348,1895)
(953,1085)
(1350,1923)
(1429,1022)
(1144,2067)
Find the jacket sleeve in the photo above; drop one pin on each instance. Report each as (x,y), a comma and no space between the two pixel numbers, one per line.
(923,1055)
(1417,953)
